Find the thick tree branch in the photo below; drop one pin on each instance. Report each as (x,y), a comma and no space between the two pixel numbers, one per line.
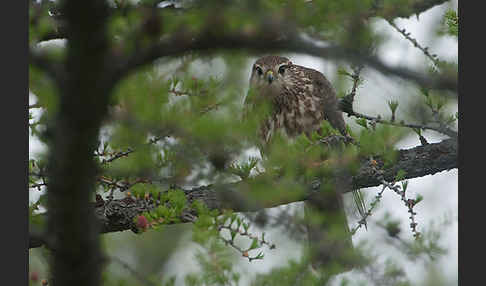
(279,37)
(285,40)
(416,162)
(119,215)
(396,9)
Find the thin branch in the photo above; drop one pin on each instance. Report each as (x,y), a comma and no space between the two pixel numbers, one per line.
(116,156)
(35,105)
(59,33)
(409,203)
(425,50)
(346,105)
(440,128)
(367,214)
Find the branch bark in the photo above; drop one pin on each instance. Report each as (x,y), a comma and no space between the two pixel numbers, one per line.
(287,39)
(280,37)
(395,9)
(119,215)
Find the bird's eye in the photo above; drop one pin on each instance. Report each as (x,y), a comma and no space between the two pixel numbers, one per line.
(281,69)
(259,70)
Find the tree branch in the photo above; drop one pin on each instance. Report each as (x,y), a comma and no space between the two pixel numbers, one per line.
(441,128)
(287,39)
(397,9)
(119,215)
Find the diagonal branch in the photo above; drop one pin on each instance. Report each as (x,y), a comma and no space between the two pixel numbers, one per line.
(424,50)
(119,215)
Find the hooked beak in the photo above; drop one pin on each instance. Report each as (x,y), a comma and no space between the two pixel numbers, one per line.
(270,77)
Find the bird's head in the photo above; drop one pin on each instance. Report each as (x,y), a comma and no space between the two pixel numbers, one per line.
(270,73)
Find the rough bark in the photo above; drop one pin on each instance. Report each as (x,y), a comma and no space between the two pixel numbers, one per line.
(394,9)
(71,222)
(119,215)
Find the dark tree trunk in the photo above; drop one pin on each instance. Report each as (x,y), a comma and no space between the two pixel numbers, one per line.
(83,96)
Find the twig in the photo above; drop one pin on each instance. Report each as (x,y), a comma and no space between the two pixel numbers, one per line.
(211,107)
(441,129)
(117,156)
(346,105)
(35,105)
(121,185)
(237,230)
(368,213)
(425,50)
(409,203)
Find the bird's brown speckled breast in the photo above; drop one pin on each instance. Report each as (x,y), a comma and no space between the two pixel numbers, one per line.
(298,110)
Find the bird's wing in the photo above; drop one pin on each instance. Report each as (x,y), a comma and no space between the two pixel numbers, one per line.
(324,90)
(333,114)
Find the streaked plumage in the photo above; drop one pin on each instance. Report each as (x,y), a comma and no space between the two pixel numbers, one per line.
(300,99)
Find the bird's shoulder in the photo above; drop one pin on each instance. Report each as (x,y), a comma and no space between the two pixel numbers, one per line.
(321,85)
(315,76)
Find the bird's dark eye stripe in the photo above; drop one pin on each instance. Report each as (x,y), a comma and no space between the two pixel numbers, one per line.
(281,69)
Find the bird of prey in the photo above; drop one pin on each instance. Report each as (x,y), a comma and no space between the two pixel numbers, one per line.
(300,99)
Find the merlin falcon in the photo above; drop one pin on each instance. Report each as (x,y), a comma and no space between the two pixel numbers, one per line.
(300,99)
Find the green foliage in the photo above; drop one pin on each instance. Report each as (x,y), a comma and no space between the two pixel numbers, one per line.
(362,122)
(41,23)
(42,86)
(35,219)
(244,169)
(216,268)
(173,202)
(393,105)
(452,22)
(294,274)
(180,122)
(168,211)
(380,142)
(400,175)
